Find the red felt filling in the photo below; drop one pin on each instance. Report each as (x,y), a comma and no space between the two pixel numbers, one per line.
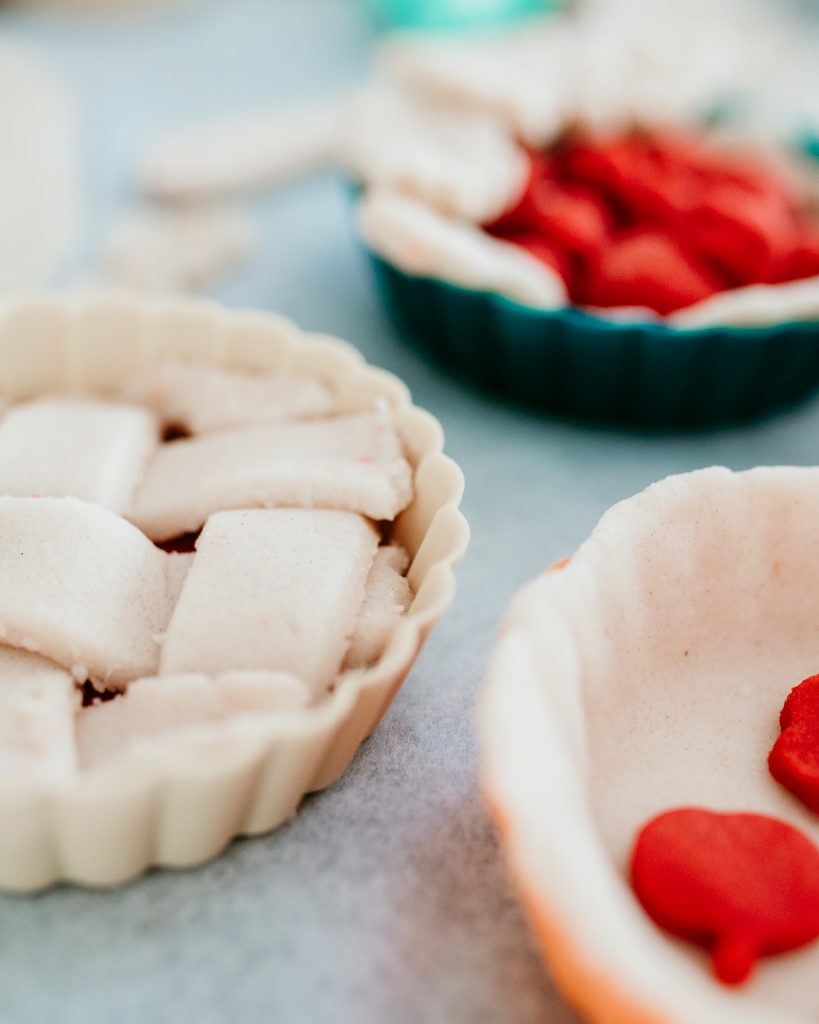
(742,886)
(661,221)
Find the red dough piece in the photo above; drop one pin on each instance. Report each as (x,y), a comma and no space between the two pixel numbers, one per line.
(794,759)
(570,216)
(646,267)
(742,886)
(639,178)
(748,235)
(573,216)
(718,166)
(804,260)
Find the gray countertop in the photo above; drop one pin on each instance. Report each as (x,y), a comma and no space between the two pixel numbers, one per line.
(385,899)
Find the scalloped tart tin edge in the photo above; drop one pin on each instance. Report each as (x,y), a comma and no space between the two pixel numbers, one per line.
(568,362)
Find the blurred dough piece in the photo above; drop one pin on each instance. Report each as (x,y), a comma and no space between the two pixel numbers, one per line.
(606,63)
(38,703)
(157,708)
(203,398)
(460,161)
(421,241)
(243,153)
(272,589)
(39,184)
(523,77)
(175,249)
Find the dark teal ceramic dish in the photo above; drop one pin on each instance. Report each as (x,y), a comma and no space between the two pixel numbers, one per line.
(574,364)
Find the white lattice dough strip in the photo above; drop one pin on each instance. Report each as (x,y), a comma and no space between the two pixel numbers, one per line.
(276,589)
(461,162)
(83,587)
(38,704)
(421,241)
(204,398)
(159,708)
(76,448)
(387,598)
(353,463)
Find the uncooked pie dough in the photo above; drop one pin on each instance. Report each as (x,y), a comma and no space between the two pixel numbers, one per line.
(212,544)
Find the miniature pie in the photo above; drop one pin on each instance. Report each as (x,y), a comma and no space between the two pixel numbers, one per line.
(627,721)
(206,565)
(574,140)
(634,225)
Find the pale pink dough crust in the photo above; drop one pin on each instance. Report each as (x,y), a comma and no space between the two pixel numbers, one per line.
(646,675)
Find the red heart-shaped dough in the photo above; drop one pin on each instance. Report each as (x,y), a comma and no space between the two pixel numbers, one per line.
(794,759)
(742,886)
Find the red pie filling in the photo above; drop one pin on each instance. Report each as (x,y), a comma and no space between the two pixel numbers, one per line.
(659,220)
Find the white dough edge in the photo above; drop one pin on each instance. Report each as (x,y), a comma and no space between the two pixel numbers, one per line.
(534,775)
(187,803)
(420,241)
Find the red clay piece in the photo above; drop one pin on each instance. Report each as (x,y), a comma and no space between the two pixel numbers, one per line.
(794,759)
(571,216)
(646,267)
(641,181)
(747,235)
(804,260)
(574,217)
(742,886)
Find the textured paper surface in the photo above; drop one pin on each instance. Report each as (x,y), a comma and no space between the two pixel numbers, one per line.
(385,900)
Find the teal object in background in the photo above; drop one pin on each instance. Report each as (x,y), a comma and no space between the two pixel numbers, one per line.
(641,374)
(810,145)
(447,15)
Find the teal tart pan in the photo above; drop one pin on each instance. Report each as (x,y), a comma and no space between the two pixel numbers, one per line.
(568,362)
